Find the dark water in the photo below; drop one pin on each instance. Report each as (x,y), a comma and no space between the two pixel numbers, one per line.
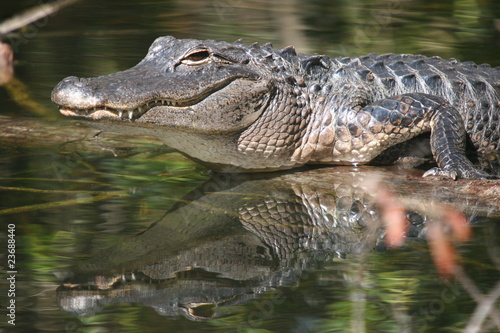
(148,241)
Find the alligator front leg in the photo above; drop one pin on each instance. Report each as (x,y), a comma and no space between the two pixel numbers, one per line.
(399,118)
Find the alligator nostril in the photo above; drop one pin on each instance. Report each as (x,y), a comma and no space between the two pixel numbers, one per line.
(76,81)
(70,79)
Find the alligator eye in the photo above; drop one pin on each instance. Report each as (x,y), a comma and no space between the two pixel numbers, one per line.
(196,58)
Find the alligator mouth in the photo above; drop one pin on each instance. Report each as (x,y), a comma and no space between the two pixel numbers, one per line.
(124,113)
(100,112)
(102,283)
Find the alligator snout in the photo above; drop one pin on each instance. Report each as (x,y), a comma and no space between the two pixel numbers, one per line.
(74,92)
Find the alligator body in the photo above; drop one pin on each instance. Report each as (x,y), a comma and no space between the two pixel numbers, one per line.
(255,108)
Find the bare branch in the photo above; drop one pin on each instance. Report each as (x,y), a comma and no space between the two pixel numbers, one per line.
(31,15)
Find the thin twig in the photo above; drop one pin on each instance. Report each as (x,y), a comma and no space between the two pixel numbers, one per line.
(476,294)
(485,307)
(58,204)
(31,15)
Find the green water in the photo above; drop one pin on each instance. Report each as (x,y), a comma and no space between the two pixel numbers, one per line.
(76,208)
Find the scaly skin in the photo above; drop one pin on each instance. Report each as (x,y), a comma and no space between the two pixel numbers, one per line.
(235,107)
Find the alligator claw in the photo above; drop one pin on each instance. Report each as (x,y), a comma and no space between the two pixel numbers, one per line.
(455,173)
(440,173)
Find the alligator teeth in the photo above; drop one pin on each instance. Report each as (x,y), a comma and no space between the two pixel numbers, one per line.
(161,102)
(130,113)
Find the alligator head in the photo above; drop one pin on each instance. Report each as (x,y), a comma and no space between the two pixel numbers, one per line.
(189,85)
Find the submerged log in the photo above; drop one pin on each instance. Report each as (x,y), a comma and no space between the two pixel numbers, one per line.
(406,184)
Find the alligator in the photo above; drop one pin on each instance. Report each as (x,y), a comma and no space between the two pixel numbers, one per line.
(250,108)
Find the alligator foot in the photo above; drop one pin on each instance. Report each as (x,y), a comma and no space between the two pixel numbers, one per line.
(458,172)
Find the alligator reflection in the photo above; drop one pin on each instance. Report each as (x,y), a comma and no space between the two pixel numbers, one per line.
(230,241)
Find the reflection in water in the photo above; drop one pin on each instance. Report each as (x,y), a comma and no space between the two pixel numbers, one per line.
(394,291)
(232,240)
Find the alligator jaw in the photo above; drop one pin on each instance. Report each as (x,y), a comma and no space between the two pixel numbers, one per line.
(102,112)
(131,113)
